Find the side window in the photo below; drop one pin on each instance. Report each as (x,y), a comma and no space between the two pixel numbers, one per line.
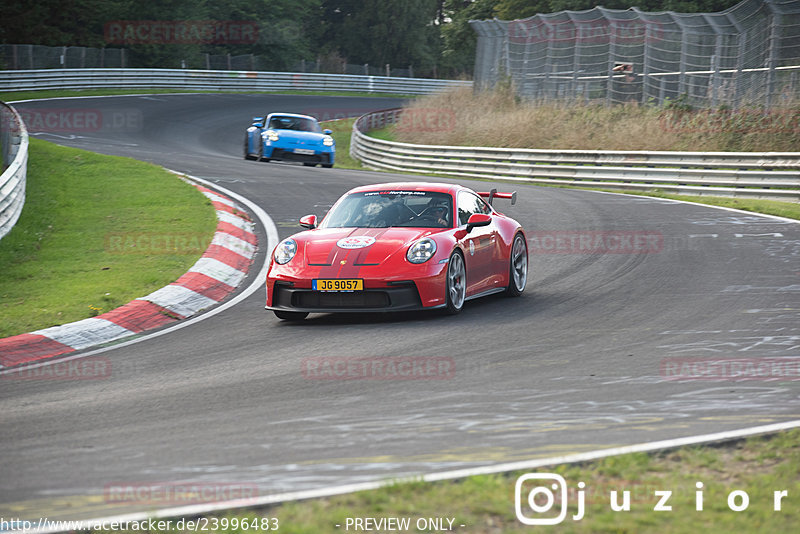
(469,204)
(485,207)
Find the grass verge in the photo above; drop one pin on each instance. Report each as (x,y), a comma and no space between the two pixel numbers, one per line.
(464,118)
(96,232)
(341,134)
(758,466)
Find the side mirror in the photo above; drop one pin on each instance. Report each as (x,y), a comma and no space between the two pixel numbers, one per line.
(478,219)
(309,221)
(327,131)
(258,122)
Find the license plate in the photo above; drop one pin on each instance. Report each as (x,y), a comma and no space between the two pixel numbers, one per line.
(337,285)
(305,151)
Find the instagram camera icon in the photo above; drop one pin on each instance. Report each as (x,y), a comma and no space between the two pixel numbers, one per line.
(552,480)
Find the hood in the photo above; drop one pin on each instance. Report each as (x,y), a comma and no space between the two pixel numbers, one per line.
(359,246)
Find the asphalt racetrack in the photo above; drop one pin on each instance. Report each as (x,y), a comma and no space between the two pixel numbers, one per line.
(586,359)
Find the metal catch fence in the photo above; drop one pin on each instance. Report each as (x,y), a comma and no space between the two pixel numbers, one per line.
(747,55)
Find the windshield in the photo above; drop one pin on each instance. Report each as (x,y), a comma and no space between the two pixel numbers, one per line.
(300,124)
(384,209)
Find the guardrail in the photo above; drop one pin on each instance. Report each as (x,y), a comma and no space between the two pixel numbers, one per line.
(768,175)
(14,143)
(215,80)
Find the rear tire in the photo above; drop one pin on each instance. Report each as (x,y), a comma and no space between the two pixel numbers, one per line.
(290,315)
(247,155)
(327,165)
(518,267)
(309,164)
(456,286)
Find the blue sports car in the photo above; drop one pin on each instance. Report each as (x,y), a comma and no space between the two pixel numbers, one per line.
(289,137)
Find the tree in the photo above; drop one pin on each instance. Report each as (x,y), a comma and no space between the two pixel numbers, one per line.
(458,38)
(398,32)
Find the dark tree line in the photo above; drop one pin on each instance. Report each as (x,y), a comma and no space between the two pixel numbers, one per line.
(433,36)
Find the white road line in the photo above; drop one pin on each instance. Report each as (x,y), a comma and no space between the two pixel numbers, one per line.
(676,201)
(525,465)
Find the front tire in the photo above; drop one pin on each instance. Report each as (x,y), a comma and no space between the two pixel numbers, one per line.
(261,154)
(290,315)
(456,291)
(518,267)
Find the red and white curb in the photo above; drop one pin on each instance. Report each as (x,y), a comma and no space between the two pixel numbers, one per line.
(221,269)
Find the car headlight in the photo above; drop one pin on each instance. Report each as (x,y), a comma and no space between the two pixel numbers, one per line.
(271,135)
(285,251)
(327,140)
(421,251)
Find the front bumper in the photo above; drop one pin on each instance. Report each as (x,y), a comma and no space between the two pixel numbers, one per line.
(286,153)
(398,296)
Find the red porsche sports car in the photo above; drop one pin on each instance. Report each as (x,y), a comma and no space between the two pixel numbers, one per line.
(398,247)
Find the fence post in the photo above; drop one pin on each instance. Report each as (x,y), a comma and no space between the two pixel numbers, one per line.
(548,66)
(645,61)
(612,55)
(715,77)
(737,96)
(576,58)
(774,37)
(684,53)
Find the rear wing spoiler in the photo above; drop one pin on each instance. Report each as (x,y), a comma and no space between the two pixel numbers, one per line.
(493,194)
